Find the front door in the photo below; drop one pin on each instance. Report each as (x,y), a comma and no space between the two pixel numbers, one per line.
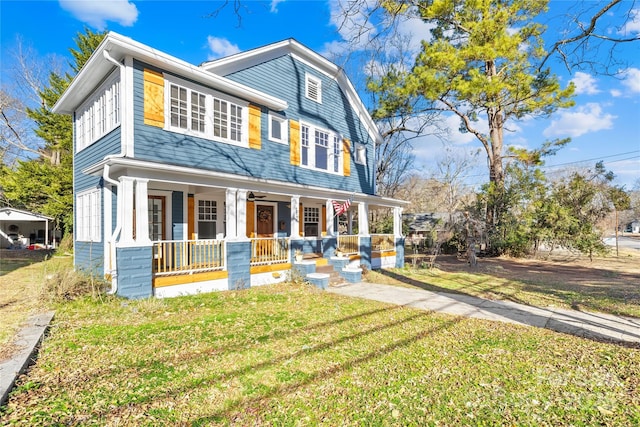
(265,220)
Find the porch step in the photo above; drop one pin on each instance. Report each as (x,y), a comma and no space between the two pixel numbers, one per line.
(334,276)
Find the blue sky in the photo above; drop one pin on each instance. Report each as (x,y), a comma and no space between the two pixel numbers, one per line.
(604,124)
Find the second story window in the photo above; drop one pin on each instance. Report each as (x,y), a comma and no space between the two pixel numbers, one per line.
(320,149)
(187,109)
(194,109)
(278,131)
(100,114)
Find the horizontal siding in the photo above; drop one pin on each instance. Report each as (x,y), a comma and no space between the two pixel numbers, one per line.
(109,144)
(158,145)
(89,257)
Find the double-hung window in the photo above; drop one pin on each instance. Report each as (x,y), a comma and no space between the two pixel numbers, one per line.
(194,109)
(188,109)
(320,149)
(207,219)
(88,227)
(99,114)
(311,216)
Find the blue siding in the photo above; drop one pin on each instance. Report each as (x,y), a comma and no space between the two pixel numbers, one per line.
(400,252)
(157,145)
(134,272)
(89,257)
(238,265)
(365,252)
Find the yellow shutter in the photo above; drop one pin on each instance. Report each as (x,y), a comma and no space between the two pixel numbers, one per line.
(346,157)
(251,232)
(324,219)
(191,208)
(301,221)
(153,98)
(294,136)
(254,127)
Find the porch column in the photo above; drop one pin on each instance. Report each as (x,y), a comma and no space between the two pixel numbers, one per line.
(295,217)
(230,213)
(241,215)
(125,198)
(330,218)
(142,212)
(363,219)
(397,221)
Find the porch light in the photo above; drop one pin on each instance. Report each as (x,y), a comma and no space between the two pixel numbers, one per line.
(251,197)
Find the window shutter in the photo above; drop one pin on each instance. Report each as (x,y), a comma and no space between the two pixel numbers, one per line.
(153,98)
(324,219)
(346,157)
(294,145)
(191,217)
(301,221)
(250,224)
(254,127)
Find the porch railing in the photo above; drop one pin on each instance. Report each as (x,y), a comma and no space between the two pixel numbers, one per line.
(383,242)
(269,251)
(187,256)
(349,244)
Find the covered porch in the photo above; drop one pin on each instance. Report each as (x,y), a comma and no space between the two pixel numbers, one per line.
(171,234)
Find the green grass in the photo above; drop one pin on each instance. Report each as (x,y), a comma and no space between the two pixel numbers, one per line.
(293,355)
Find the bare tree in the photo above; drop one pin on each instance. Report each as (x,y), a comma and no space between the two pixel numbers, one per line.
(28,76)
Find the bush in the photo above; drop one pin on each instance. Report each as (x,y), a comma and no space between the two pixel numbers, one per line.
(69,285)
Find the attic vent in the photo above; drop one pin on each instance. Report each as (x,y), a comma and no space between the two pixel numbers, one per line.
(314,88)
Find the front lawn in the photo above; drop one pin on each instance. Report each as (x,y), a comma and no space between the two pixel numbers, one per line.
(293,355)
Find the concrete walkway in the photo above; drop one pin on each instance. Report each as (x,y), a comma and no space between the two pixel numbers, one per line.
(27,341)
(596,326)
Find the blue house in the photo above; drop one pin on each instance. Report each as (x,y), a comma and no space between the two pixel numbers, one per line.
(199,178)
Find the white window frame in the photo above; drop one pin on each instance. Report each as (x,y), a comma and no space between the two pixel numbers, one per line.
(317,212)
(284,128)
(361,154)
(220,214)
(308,143)
(210,97)
(89,216)
(311,82)
(99,114)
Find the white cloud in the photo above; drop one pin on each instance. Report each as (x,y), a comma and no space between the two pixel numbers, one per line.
(573,123)
(632,79)
(633,23)
(615,93)
(585,84)
(274,5)
(221,47)
(97,13)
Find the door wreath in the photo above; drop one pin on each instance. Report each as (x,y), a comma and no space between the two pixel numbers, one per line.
(264,215)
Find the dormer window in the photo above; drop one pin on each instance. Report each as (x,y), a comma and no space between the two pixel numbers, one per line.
(314,88)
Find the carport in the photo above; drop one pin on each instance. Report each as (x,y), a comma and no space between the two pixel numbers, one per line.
(19,229)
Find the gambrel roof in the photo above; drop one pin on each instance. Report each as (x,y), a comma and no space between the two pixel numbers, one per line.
(243,60)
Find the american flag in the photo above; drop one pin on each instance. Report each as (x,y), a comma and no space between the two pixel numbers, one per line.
(340,208)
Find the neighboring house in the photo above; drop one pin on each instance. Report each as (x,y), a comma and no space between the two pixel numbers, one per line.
(198,178)
(21,229)
(633,227)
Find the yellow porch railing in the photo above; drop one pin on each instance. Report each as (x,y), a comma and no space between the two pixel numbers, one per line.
(187,256)
(269,251)
(383,242)
(349,244)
